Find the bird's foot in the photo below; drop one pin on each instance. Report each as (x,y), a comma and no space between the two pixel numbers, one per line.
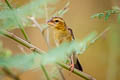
(72,67)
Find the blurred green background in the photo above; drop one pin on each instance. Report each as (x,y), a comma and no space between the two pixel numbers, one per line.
(101,60)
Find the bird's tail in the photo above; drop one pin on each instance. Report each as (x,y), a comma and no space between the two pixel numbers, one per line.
(78,65)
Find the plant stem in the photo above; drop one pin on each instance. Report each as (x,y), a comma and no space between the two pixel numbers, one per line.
(28,45)
(21,41)
(10,74)
(47,31)
(20,26)
(75,71)
(24,33)
(45,72)
(8,4)
(25,43)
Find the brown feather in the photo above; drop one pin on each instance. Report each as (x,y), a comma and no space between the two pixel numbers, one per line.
(63,34)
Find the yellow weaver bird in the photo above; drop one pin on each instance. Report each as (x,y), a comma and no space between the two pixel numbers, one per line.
(64,34)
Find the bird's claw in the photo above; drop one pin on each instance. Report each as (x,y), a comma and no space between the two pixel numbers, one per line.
(72,67)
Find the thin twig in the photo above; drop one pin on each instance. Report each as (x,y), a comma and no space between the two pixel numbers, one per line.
(28,45)
(22,49)
(21,41)
(101,34)
(61,73)
(38,26)
(36,23)
(45,72)
(75,71)
(47,31)
(61,12)
(8,4)
(10,74)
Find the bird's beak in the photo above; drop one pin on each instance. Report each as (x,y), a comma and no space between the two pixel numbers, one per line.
(50,23)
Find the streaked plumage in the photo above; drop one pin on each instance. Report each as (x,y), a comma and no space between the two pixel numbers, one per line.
(63,34)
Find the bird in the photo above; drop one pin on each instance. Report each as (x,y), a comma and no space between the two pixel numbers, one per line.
(62,33)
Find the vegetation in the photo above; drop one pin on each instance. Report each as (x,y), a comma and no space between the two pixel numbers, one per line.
(23,16)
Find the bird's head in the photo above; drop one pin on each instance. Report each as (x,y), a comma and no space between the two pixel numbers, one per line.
(57,23)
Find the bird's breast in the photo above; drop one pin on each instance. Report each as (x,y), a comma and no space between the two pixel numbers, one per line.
(62,36)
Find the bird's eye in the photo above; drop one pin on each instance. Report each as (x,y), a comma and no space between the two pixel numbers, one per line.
(56,20)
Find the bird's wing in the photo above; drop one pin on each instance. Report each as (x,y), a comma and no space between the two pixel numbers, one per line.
(74,58)
(71,32)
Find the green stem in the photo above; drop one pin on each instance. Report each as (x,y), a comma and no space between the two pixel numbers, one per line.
(10,74)
(28,45)
(20,26)
(75,71)
(8,4)
(24,33)
(24,43)
(45,72)
(21,41)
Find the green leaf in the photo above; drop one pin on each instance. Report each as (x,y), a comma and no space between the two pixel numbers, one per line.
(35,8)
(19,16)
(63,52)
(99,15)
(18,61)
(64,10)
(58,54)
(107,15)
